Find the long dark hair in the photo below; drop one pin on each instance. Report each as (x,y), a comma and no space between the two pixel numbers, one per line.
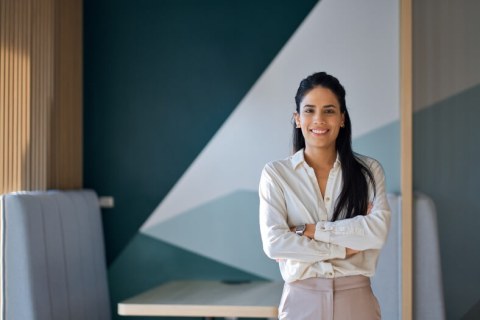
(353,199)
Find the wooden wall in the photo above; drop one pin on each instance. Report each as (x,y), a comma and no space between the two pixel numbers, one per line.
(40,94)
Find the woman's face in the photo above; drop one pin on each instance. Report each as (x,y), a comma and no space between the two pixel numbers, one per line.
(320,118)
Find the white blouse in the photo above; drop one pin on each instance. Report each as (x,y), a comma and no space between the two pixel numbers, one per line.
(290,196)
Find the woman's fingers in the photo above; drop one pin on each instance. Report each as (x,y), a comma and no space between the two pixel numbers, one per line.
(370,206)
(350,252)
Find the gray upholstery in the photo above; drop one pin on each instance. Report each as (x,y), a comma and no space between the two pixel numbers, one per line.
(427,273)
(428,289)
(53,260)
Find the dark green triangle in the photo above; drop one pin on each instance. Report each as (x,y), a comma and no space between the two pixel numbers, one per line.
(160,78)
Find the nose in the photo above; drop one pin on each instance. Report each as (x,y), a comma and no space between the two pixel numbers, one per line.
(318,118)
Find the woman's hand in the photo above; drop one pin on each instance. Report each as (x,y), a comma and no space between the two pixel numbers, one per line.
(370,206)
(350,252)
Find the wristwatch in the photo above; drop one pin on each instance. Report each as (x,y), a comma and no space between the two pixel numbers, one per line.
(300,229)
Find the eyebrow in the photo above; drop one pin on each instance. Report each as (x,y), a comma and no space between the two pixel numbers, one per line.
(325,106)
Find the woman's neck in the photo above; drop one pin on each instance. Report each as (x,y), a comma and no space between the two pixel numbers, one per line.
(319,157)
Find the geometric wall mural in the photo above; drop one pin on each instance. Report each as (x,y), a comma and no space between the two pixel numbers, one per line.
(179,122)
(185,101)
(220,187)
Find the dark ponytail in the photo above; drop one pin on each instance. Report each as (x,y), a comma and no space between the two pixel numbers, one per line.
(353,199)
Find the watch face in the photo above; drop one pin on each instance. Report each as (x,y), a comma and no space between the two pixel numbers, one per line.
(300,229)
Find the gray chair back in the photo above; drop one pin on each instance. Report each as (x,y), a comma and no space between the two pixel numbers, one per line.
(428,297)
(53,257)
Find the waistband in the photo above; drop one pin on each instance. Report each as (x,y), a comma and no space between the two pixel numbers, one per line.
(335,284)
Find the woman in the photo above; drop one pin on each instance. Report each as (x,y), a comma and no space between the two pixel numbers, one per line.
(324,214)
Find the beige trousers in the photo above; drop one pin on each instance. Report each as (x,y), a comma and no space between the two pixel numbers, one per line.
(347,298)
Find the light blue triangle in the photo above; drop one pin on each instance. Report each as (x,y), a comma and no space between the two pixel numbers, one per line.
(225,230)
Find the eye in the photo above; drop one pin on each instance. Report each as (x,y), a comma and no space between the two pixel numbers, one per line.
(308,110)
(330,111)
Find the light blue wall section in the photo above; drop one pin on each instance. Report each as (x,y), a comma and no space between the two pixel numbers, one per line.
(383,144)
(225,230)
(446,167)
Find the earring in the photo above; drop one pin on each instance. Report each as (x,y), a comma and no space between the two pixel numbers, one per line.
(342,125)
(298,126)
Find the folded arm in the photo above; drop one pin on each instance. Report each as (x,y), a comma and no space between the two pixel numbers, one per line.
(278,241)
(364,231)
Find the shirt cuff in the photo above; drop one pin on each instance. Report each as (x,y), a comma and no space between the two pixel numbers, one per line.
(321,232)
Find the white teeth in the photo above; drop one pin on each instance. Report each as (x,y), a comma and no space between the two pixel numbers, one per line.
(319,131)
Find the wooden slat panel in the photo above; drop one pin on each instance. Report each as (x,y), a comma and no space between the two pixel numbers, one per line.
(42,87)
(9,93)
(23,115)
(47,89)
(67,147)
(36,85)
(15,76)
(41,67)
(16,107)
(48,92)
(13,99)
(7,84)
(26,95)
(10,85)
(2,92)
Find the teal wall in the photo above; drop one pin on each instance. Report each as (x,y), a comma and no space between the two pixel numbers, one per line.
(160,77)
(446,150)
(383,144)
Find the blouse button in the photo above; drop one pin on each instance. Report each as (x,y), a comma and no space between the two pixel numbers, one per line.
(327,199)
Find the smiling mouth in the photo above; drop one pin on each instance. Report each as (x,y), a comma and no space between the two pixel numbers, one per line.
(319,131)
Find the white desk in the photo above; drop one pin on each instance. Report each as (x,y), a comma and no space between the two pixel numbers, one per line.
(257,299)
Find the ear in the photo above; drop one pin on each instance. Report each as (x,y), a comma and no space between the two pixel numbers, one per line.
(296,117)
(343,118)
